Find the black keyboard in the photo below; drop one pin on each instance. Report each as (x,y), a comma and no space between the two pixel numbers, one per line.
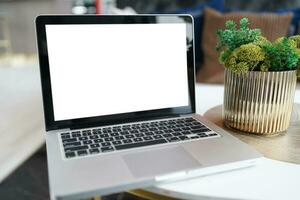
(108,139)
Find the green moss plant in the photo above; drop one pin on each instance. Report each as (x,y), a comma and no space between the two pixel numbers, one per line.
(243,49)
(247,57)
(282,55)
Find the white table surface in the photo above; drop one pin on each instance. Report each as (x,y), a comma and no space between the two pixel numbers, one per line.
(269,179)
(22,129)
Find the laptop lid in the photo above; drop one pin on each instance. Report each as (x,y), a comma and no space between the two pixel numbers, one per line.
(101,70)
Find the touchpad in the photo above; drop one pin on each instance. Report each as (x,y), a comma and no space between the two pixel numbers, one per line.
(160,161)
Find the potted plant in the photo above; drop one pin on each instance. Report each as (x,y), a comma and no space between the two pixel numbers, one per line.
(260,78)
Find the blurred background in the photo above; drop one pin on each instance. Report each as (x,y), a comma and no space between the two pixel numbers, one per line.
(17,32)
(23,169)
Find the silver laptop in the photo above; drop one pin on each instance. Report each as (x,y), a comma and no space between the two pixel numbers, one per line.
(119,105)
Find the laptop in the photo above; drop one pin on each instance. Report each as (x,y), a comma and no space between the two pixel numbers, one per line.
(119,105)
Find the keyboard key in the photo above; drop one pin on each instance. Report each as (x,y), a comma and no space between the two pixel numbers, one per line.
(105,135)
(196,127)
(183,137)
(188,124)
(186,132)
(197,123)
(114,134)
(140,144)
(95,131)
(106,129)
(157,136)
(177,134)
(168,131)
(70,154)
(71,144)
(153,129)
(94,145)
(176,129)
(189,120)
(105,144)
(203,136)
(149,133)
(212,134)
(129,136)
(76,148)
(94,137)
(83,138)
(127,141)
(99,133)
(65,136)
(158,132)
(92,151)
(109,139)
(98,140)
(147,138)
(86,131)
(87,142)
(116,130)
(133,131)
(116,142)
(82,152)
(107,149)
(195,137)
(139,135)
(69,140)
(173,139)
(124,132)
(202,130)
(170,127)
(67,133)
(76,134)
(119,137)
(167,135)
(137,139)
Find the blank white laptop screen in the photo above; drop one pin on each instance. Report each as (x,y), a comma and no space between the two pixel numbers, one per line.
(104,69)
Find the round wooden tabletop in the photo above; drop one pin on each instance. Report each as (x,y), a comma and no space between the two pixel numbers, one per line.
(284,147)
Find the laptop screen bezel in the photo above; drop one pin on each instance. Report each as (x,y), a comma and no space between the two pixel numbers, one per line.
(51,124)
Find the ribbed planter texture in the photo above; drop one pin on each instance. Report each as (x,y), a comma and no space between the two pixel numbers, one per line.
(259,102)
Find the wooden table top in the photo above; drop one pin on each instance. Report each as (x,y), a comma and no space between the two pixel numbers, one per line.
(283,147)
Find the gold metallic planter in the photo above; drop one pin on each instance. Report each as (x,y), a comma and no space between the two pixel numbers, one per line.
(259,102)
